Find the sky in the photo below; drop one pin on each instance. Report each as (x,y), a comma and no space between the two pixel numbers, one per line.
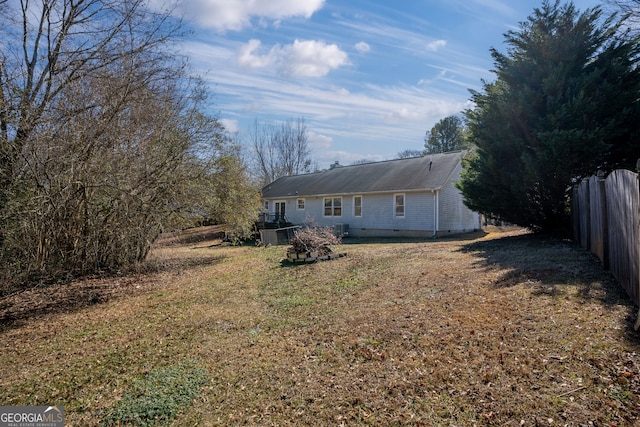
(369,77)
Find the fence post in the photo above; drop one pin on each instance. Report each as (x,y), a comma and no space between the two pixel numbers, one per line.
(637,225)
(575,206)
(585,210)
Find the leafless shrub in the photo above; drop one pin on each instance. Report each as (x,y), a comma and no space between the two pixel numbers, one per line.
(103,140)
(314,239)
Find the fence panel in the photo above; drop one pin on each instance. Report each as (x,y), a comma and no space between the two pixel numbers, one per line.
(598,225)
(623,226)
(583,206)
(575,214)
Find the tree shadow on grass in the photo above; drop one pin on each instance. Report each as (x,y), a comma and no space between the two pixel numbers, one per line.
(401,239)
(17,308)
(211,234)
(547,264)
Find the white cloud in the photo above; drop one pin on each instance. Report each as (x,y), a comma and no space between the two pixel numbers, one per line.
(372,112)
(497,6)
(436,45)
(363,47)
(319,142)
(230,125)
(246,57)
(308,58)
(442,75)
(404,114)
(348,119)
(387,36)
(223,15)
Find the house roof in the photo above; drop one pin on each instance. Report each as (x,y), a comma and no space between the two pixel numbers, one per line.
(388,176)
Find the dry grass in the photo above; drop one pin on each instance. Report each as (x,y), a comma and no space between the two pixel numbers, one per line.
(505,329)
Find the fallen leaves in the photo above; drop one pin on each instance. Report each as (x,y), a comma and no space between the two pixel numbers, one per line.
(501,330)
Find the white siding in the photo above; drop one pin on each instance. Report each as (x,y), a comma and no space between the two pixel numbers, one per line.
(377,213)
(455,217)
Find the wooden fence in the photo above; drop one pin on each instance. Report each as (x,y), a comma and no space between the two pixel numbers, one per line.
(606,220)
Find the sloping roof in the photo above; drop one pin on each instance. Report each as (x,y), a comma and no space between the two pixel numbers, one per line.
(392,175)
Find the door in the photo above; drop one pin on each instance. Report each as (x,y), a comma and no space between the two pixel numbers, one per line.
(280,210)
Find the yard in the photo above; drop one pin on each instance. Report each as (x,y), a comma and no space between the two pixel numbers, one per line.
(502,329)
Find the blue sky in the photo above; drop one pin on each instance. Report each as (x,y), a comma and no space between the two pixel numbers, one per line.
(369,77)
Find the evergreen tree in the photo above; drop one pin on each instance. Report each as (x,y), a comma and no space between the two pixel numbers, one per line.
(564,104)
(446,135)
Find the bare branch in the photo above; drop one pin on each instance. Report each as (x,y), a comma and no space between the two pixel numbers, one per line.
(280,150)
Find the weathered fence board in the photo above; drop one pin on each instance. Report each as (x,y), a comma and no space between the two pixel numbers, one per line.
(622,213)
(607,222)
(585,219)
(598,224)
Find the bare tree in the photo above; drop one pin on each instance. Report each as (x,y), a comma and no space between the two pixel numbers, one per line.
(404,154)
(280,150)
(358,162)
(103,142)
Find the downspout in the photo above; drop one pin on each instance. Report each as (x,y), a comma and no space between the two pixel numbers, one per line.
(436,219)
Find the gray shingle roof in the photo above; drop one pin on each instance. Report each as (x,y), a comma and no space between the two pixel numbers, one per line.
(392,175)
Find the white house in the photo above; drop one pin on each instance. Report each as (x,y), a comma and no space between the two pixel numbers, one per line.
(403,197)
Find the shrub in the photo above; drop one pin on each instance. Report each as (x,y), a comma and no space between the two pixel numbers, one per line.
(314,239)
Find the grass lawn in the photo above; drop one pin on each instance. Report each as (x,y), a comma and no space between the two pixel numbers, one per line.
(502,329)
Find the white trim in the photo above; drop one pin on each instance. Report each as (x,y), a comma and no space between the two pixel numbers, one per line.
(404,205)
(354,206)
(367,193)
(333,207)
(436,210)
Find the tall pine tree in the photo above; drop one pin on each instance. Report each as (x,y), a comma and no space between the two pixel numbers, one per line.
(564,104)
(446,135)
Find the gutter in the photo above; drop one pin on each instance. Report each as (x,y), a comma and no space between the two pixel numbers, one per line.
(436,210)
(413,190)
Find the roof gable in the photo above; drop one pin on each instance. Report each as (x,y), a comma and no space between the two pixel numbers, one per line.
(393,175)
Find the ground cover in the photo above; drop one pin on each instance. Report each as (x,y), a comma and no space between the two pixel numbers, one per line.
(498,329)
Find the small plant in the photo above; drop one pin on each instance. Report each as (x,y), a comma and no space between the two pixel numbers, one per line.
(314,239)
(158,398)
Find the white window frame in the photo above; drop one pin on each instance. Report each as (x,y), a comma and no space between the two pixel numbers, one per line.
(300,206)
(354,206)
(396,205)
(332,206)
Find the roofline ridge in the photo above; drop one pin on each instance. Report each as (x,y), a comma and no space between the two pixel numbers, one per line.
(376,162)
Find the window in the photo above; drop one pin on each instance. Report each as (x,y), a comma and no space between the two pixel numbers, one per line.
(399,205)
(266,205)
(357,205)
(333,206)
(301,204)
